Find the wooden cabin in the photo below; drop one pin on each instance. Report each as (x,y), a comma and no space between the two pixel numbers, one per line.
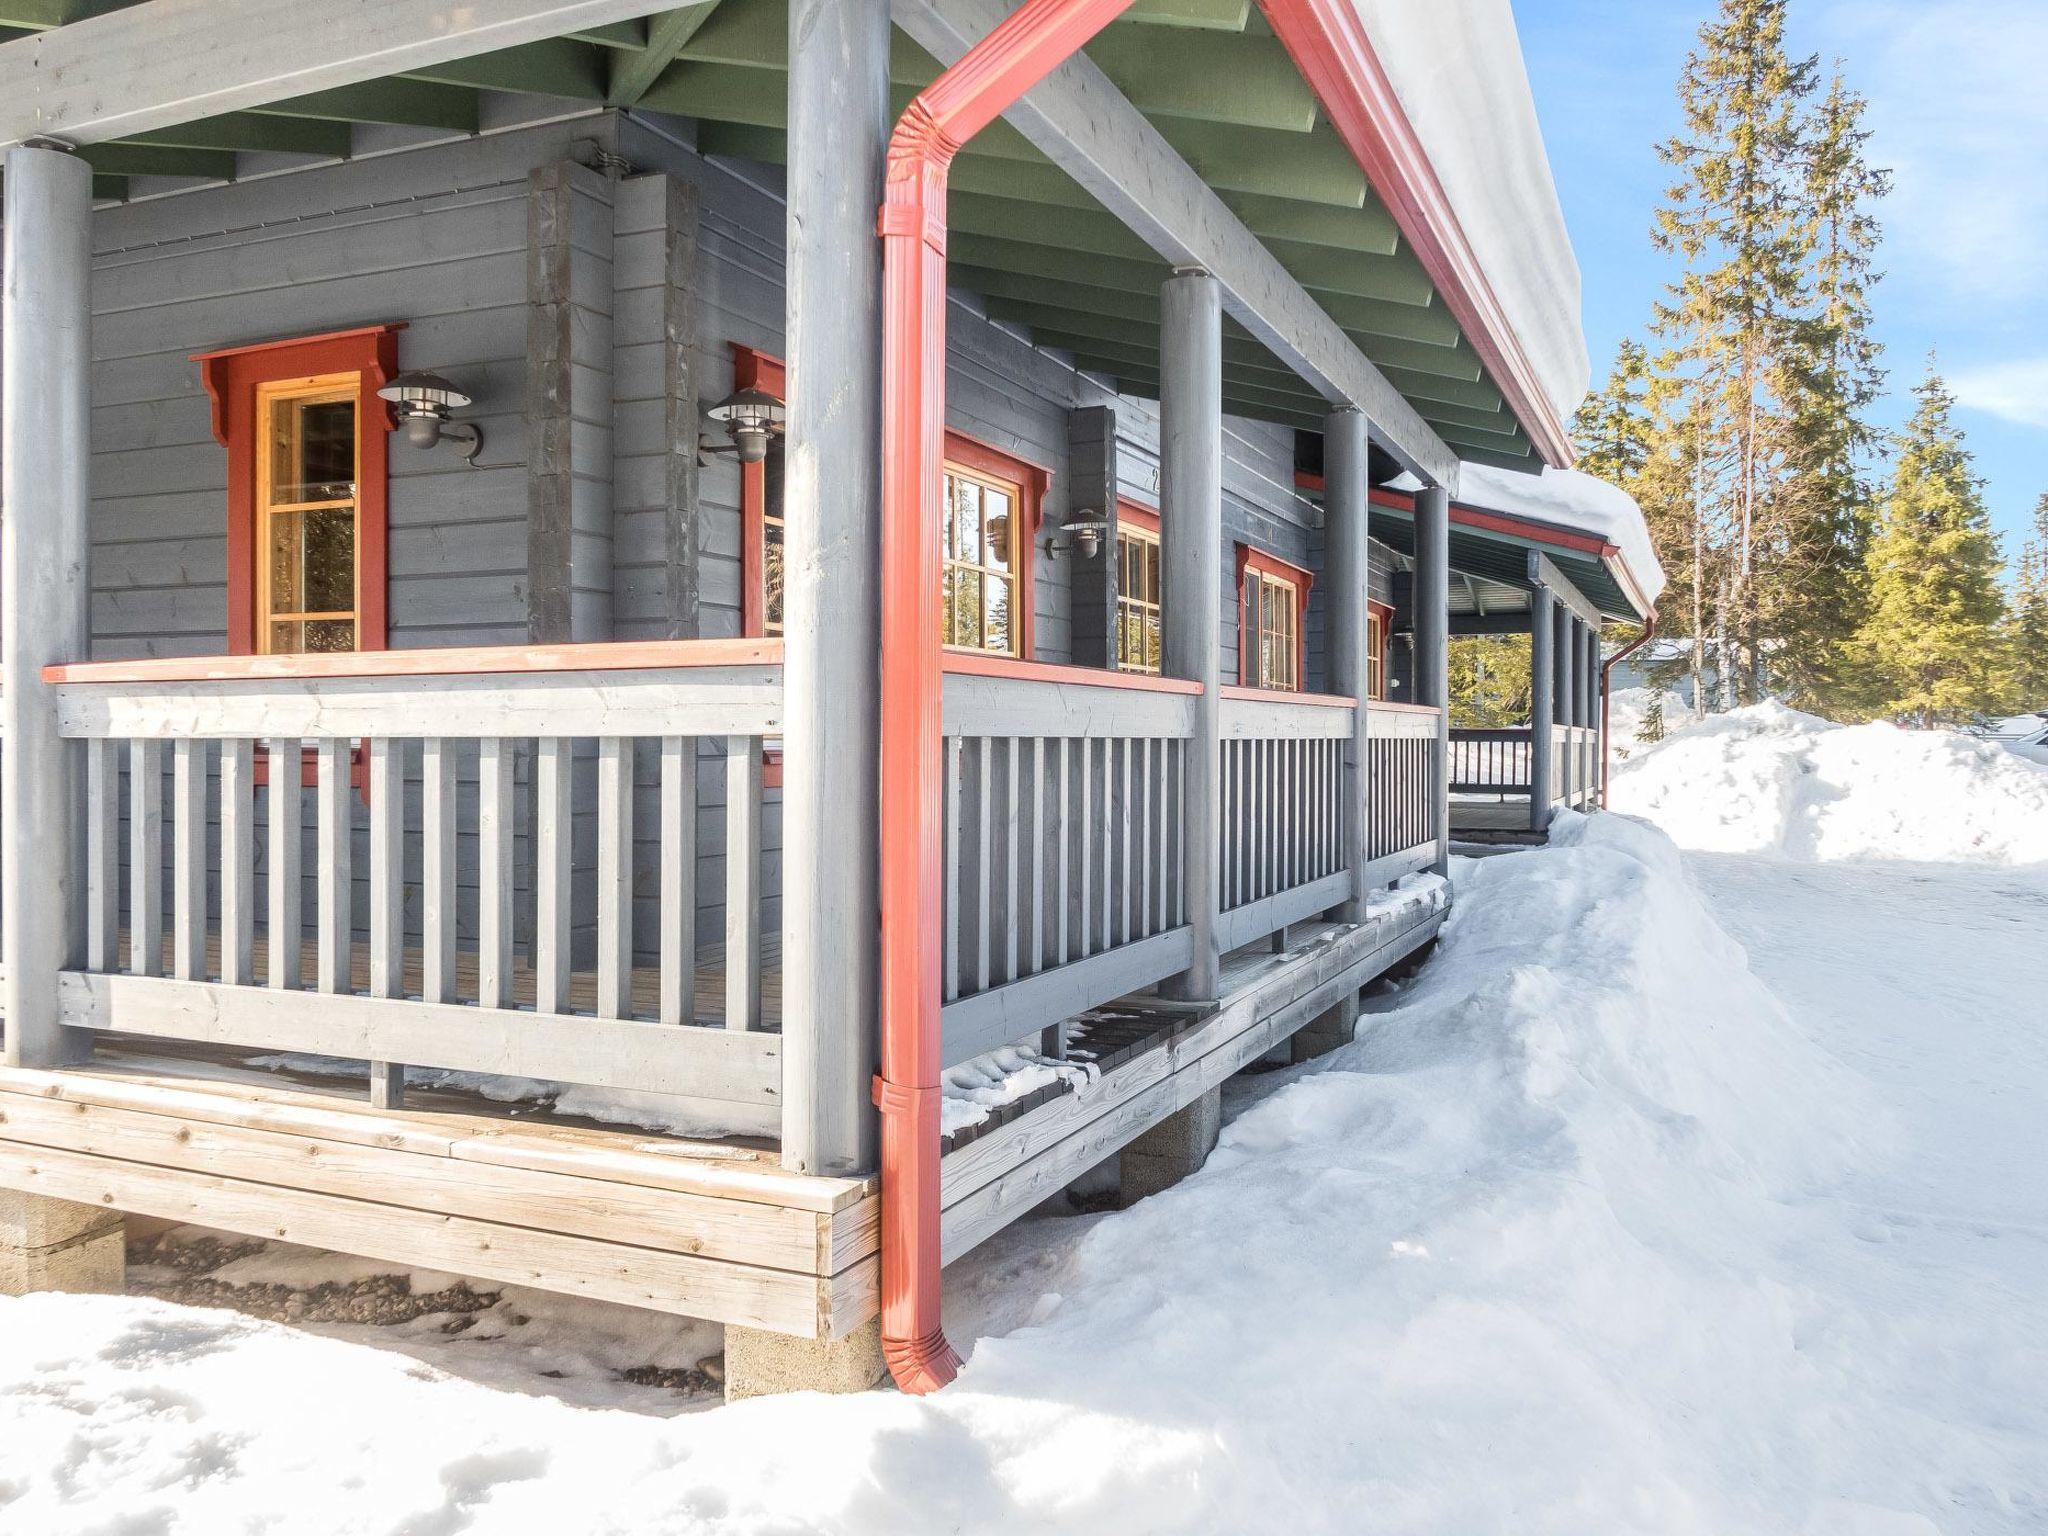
(596,601)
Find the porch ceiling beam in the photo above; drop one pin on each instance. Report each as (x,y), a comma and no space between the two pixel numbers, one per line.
(129,159)
(1087,128)
(107,77)
(1216,15)
(559,66)
(632,73)
(1543,572)
(254,131)
(405,103)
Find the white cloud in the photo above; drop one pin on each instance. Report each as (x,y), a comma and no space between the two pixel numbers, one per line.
(1958,111)
(2017,391)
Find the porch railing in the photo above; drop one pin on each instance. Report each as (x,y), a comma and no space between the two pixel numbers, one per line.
(1575,767)
(420,767)
(1502,762)
(1281,838)
(1065,858)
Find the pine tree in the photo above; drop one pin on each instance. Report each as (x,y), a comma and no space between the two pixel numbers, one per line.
(2027,624)
(1931,642)
(1811,599)
(1489,681)
(1732,214)
(1613,427)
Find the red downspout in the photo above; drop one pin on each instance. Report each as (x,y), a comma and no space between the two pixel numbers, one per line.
(1606,683)
(1027,46)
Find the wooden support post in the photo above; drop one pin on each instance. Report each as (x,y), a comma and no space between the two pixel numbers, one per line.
(1191,586)
(1433,652)
(1568,700)
(1542,703)
(1346,542)
(45,586)
(839,110)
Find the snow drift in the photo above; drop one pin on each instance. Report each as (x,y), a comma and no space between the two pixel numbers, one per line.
(1768,779)
(1514,1259)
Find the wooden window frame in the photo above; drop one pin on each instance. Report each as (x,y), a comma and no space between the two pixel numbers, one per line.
(1379,643)
(1145,522)
(1251,560)
(755,369)
(232,376)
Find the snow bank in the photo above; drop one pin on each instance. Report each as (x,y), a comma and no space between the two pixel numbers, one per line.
(1515,1259)
(1628,707)
(1771,780)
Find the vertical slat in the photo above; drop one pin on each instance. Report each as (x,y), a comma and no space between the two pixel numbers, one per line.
(146,858)
(1081,807)
(103,854)
(614,877)
(237,863)
(1143,747)
(387,868)
(1013,874)
(496,816)
(1060,823)
(1109,843)
(1182,832)
(552,827)
(743,882)
(679,880)
(1036,938)
(188,859)
(981,897)
(333,878)
(437,870)
(956,917)
(283,921)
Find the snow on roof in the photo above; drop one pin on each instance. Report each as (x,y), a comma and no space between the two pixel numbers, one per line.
(1458,71)
(1570,499)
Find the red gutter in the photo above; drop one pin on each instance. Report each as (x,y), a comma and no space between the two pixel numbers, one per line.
(1027,46)
(1328,43)
(1606,683)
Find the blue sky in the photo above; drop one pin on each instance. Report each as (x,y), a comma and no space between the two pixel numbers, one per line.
(1958,93)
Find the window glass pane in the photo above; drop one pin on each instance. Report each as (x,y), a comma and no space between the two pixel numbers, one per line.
(999,528)
(313,560)
(966,498)
(312,450)
(293,636)
(998,624)
(967,610)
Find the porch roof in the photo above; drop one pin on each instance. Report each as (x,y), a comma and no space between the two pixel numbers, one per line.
(1477,332)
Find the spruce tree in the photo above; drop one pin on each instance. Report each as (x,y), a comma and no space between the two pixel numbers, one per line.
(2027,638)
(1613,426)
(1733,215)
(1931,643)
(1811,599)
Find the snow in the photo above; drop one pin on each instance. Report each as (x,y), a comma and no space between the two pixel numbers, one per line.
(1680,1193)
(975,1089)
(1570,498)
(1628,707)
(1458,73)
(1769,779)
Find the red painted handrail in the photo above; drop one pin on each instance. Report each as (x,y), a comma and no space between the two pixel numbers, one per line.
(1025,47)
(606,656)
(967,664)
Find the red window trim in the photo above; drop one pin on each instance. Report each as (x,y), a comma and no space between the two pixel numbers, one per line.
(1384,612)
(1128,511)
(1250,559)
(755,369)
(231,375)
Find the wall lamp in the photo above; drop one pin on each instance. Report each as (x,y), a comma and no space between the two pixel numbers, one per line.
(423,402)
(751,417)
(1081,532)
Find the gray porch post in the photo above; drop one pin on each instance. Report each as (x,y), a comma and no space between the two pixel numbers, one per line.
(45,586)
(832,495)
(1347,509)
(1191,582)
(1589,702)
(1433,650)
(1542,702)
(1568,696)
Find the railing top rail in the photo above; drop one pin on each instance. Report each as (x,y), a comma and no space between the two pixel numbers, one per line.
(1388,706)
(1276,696)
(606,656)
(966,664)
(1489,733)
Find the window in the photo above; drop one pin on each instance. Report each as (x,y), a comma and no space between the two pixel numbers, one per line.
(1138,636)
(307,453)
(989,517)
(1272,599)
(1379,629)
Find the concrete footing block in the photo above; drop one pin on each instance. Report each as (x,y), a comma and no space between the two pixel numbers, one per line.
(1328,1030)
(760,1364)
(59,1245)
(1172,1149)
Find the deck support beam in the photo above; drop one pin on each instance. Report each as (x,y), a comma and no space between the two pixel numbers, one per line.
(1542,703)
(1433,651)
(1191,586)
(1345,542)
(45,587)
(832,489)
